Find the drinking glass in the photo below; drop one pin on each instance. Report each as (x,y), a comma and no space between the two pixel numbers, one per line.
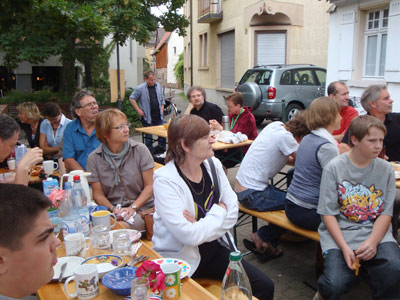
(140,289)
(101,237)
(122,243)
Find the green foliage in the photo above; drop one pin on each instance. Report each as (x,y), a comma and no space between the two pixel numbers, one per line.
(42,96)
(146,65)
(179,71)
(127,108)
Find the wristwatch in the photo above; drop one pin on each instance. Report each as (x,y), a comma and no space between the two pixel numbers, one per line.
(134,206)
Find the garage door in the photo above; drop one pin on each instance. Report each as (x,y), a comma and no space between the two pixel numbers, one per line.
(271,48)
(227,58)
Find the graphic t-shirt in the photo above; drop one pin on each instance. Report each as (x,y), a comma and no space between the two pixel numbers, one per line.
(357,197)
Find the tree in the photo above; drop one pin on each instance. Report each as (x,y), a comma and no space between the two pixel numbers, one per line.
(33,30)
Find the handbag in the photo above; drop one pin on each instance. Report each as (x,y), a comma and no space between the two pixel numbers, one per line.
(147,214)
(232,247)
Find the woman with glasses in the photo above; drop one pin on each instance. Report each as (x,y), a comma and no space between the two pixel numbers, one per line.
(122,170)
(30,121)
(52,130)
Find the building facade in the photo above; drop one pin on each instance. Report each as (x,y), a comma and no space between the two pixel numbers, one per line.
(227,37)
(363,45)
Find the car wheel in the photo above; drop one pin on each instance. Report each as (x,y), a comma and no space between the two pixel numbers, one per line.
(251,94)
(259,120)
(291,110)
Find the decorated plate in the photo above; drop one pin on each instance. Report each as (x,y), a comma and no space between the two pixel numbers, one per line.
(105,263)
(72,263)
(133,234)
(185,267)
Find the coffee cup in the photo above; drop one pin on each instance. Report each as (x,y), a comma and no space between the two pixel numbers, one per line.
(102,217)
(11,164)
(49,166)
(75,244)
(86,279)
(172,289)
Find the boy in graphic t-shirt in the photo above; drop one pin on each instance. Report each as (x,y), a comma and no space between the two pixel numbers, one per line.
(356,204)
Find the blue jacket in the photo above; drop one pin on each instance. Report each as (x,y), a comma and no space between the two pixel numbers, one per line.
(141,95)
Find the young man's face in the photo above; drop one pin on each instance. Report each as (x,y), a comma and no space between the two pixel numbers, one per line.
(370,145)
(27,269)
(384,103)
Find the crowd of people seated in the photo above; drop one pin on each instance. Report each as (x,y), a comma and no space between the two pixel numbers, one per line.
(342,184)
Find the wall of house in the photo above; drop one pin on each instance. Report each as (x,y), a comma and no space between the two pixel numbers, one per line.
(306,43)
(346,52)
(175,48)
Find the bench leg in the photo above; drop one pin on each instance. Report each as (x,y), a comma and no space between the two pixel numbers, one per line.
(254,223)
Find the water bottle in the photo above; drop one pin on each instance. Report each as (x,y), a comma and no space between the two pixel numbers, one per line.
(71,219)
(236,284)
(81,200)
(225,123)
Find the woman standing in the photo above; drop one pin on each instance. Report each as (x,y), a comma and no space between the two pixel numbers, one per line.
(191,218)
(29,116)
(122,170)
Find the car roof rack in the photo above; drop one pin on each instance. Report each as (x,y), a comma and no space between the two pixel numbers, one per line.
(282,65)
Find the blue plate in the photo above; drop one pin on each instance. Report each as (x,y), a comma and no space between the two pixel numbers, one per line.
(119,280)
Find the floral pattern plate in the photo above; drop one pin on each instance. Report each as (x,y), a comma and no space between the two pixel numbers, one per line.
(185,267)
(105,263)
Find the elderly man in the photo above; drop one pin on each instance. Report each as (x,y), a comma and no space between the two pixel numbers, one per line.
(339,91)
(79,135)
(377,102)
(9,132)
(27,243)
(200,107)
(151,106)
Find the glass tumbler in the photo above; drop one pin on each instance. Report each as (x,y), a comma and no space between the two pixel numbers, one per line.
(101,237)
(140,289)
(122,243)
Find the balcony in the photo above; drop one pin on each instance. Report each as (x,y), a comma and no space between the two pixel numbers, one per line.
(209,11)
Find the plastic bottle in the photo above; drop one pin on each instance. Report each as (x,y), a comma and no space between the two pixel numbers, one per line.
(71,219)
(236,284)
(81,200)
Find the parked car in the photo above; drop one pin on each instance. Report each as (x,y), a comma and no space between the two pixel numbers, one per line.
(265,87)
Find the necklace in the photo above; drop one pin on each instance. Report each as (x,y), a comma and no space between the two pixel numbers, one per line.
(233,123)
(187,180)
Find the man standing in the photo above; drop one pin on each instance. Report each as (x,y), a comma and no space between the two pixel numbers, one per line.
(79,135)
(339,91)
(9,132)
(200,107)
(27,243)
(151,100)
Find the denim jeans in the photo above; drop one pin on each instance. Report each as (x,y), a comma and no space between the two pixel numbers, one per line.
(382,273)
(270,199)
(304,217)
(148,138)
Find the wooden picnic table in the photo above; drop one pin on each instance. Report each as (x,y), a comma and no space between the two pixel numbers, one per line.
(190,289)
(32,179)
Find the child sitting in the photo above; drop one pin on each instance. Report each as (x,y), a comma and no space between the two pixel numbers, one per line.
(356,204)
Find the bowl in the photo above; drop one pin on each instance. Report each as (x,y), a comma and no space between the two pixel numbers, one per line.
(119,280)
(105,263)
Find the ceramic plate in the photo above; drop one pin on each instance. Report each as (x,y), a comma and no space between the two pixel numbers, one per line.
(133,234)
(185,267)
(72,263)
(105,263)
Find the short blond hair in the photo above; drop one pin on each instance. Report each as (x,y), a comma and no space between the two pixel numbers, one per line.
(30,110)
(321,113)
(104,122)
(360,126)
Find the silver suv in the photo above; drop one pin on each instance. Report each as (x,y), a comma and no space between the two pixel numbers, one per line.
(264,88)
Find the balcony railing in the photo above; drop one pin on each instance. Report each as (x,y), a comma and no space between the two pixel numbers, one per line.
(209,11)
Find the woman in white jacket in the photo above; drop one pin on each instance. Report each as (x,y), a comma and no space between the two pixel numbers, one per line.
(190,221)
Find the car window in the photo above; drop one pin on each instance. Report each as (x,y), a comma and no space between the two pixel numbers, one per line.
(321,76)
(286,78)
(304,77)
(261,77)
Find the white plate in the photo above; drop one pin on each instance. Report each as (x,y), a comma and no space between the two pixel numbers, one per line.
(72,263)
(185,267)
(133,234)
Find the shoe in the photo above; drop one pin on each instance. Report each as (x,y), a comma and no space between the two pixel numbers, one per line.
(263,255)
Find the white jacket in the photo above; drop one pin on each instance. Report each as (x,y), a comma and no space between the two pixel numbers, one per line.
(176,237)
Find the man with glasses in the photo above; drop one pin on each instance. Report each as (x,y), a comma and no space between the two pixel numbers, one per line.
(151,106)
(80,135)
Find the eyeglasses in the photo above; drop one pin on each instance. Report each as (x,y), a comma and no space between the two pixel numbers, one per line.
(120,127)
(91,104)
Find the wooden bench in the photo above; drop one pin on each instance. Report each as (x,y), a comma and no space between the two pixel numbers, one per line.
(277,218)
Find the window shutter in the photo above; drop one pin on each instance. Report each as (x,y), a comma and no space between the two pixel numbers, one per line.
(392,66)
(227,58)
(347,29)
(271,48)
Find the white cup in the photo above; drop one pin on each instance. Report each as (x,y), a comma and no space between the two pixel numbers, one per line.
(49,166)
(86,279)
(11,164)
(102,217)
(75,244)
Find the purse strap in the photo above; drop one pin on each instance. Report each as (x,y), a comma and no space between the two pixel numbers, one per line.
(216,194)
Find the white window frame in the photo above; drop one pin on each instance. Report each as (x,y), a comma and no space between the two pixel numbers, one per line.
(379,31)
(203,57)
